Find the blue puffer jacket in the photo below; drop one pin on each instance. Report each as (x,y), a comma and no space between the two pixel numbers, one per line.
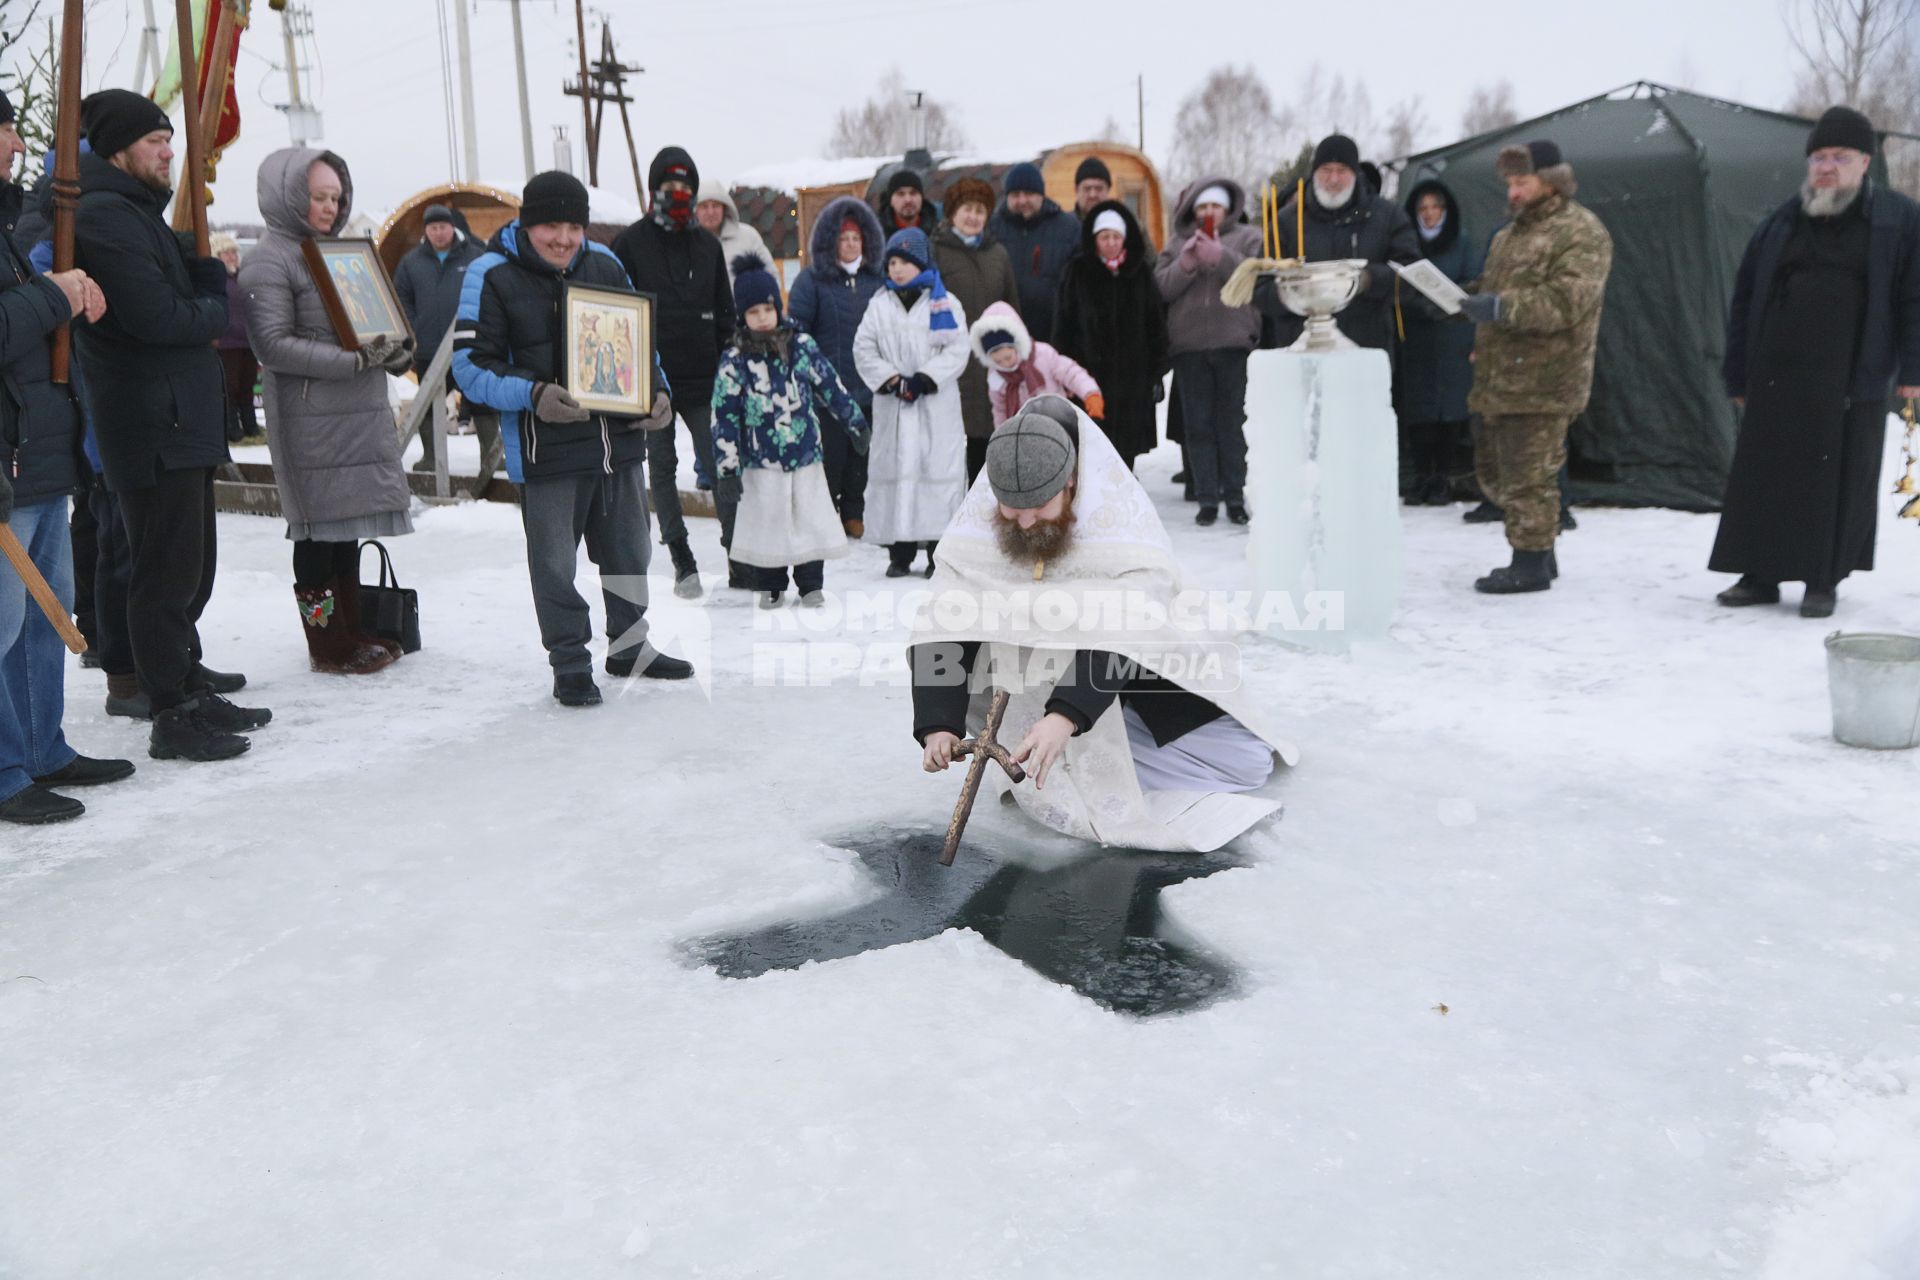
(764,398)
(828,303)
(507,340)
(1435,369)
(1040,247)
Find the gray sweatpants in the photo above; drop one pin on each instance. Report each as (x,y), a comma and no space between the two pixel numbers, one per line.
(610,512)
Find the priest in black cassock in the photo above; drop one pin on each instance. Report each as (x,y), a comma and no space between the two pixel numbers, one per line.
(1825,323)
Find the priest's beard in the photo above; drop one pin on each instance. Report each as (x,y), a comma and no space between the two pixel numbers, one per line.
(1825,202)
(1332,201)
(1045,540)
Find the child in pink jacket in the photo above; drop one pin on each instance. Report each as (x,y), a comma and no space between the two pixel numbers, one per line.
(1018,368)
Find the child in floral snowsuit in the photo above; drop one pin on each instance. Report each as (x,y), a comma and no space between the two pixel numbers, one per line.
(766,431)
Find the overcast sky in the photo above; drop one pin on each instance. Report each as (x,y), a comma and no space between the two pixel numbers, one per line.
(747,84)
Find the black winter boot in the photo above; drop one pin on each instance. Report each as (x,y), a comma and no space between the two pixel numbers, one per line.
(575,689)
(36,806)
(1530,571)
(1749,591)
(686,574)
(1485,513)
(85,771)
(184,733)
(204,677)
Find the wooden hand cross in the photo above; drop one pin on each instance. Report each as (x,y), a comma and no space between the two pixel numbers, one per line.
(982,748)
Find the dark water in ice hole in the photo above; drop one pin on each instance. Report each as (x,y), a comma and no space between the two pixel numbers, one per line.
(1093,923)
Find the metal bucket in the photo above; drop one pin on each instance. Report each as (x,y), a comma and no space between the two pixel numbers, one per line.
(1874,681)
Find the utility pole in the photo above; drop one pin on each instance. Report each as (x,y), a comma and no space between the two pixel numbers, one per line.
(601,82)
(585,89)
(520,69)
(465,50)
(303,118)
(1140,109)
(146,69)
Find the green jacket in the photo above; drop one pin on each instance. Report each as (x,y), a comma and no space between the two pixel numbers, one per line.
(1549,266)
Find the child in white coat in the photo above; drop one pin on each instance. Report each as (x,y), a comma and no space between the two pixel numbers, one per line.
(911,348)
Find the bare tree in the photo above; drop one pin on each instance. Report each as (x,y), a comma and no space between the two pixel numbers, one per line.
(888,123)
(1113,131)
(1227,127)
(1489,107)
(1405,130)
(1863,54)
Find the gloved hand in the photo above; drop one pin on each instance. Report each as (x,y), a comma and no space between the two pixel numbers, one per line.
(1482,308)
(1159,392)
(891,387)
(400,359)
(1096,406)
(372,355)
(209,276)
(551,403)
(922,385)
(903,388)
(662,416)
(6,497)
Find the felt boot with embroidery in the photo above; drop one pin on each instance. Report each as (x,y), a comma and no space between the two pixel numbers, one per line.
(331,648)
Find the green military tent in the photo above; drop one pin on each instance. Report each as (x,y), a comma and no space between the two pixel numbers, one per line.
(1681,182)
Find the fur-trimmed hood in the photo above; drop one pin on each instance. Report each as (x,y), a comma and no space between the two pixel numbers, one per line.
(1183,219)
(1000,316)
(823,258)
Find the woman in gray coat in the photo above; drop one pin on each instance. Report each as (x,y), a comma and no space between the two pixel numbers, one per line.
(335,453)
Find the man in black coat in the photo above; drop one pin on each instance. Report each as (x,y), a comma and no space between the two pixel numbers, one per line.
(428,284)
(1826,319)
(157,395)
(41,467)
(1345,218)
(670,256)
(1039,237)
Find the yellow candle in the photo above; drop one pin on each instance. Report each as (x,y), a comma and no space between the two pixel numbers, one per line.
(1300,222)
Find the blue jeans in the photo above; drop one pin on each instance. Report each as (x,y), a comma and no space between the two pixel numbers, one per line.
(33,660)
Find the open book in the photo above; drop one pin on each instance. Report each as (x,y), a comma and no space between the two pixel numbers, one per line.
(1433,282)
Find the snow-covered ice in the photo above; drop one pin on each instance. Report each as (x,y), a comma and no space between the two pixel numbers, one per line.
(401,993)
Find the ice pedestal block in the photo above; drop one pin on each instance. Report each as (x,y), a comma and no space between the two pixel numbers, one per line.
(1323,485)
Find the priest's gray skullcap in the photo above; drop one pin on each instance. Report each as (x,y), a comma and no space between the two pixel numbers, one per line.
(1030,458)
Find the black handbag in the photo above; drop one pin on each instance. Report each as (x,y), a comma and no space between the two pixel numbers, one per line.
(389,610)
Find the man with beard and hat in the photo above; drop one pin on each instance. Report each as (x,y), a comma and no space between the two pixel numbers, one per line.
(1537,312)
(1057,584)
(1040,239)
(671,256)
(1346,217)
(157,396)
(40,468)
(903,203)
(1825,320)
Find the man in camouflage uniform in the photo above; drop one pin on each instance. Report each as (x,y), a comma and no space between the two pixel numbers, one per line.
(1537,306)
